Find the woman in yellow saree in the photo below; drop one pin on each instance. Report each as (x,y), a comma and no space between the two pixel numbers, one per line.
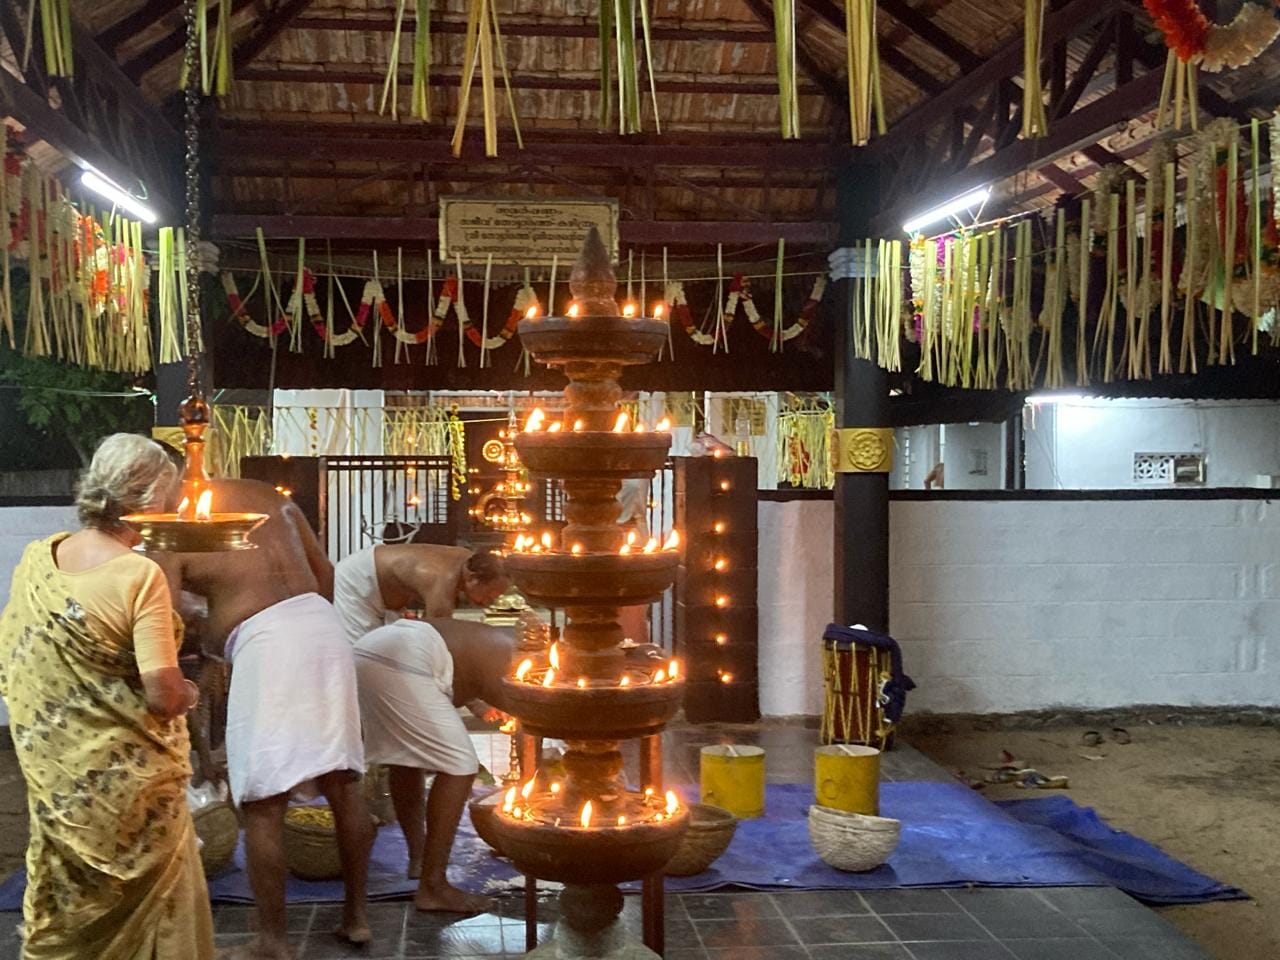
(88,668)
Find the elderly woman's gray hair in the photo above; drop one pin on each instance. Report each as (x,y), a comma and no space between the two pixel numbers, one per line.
(129,474)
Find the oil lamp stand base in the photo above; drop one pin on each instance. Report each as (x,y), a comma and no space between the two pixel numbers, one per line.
(590,927)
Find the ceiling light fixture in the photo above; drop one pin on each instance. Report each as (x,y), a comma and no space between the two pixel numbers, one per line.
(118,196)
(974,198)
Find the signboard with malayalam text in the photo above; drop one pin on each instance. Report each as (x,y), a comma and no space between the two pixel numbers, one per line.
(523,232)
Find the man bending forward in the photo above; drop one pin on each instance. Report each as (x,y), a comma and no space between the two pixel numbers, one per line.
(413,675)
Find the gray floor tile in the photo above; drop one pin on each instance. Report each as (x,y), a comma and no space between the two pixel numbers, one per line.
(685,953)
(935,926)
(1012,923)
(886,902)
(1059,950)
(989,899)
(757,953)
(820,903)
(325,946)
(959,950)
(459,939)
(869,951)
(866,929)
(1073,900)
(1126,923)
(744,933)
(1156,948)
(729,906)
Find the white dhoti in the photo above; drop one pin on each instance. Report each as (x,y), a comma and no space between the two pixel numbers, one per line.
(292,712)
(405,676)
(356,594)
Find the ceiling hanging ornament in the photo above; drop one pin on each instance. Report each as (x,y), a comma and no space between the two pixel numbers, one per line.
(1035,122)
(194,527)
(863,56)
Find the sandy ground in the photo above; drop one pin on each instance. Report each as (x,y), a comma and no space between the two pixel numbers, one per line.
(1209,796)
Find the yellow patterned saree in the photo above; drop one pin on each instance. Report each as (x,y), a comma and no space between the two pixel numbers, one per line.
(113,870)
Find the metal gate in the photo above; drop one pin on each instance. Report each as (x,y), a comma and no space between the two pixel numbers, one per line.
(372,500)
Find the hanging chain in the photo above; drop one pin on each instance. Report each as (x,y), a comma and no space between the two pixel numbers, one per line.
(191,136)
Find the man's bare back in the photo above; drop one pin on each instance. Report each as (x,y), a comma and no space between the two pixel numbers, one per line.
(481,657)
(425,576)
(288,561)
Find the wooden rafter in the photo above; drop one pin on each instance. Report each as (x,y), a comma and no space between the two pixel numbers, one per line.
(268,29)
(935,36)
(891,57)
(172,44)
(516,26)
(416,229)
(804,59)
(135,23)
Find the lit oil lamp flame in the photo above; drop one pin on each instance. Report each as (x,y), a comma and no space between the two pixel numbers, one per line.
(413,500)
(585,819)
(651,545)
(719,526)
(522,671)
(673,669)
(531,312)
(576,550)
(554,656)
(620,424)
(204,505)
(509,727)
(183,506)
(721,565)
(549,679)
(726,678)
(721,639)
(641,428)
(555,789)
(663,425)
(582,683)
(546,541)
(579,426)
(722,601)
(572,311)
(629,310)
(509,800)
(526,789)
(725,485)
(625,681)
(660,677)
(555,427)
(622,820)
(648,792)
(534,422)
(673,802)
(673,541)
(624,550)
(659,311)
(632,537)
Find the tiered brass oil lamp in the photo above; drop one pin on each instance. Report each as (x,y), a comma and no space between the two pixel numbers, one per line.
(195,527)
(590,830)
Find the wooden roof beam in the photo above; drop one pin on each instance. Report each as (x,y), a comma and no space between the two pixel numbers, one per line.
(172,44)
(519,80)
(268,29)
(128,27)
(524,27)
(891,57)
(935,36)
(675,233)
(836,93)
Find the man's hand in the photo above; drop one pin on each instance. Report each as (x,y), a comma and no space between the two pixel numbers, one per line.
(487,714)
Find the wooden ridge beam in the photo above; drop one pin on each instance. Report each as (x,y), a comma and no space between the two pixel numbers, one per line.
(432,148)
(1070,21)
(163,49)
(1082,128)
(524,27)
(135,23)
(232,226)
(935,36)
(519,81)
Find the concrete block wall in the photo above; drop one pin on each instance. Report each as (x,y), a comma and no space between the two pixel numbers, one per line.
(1019,605)
(18,527)
(1006,605)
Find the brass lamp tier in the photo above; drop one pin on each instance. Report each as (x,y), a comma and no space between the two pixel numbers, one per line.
(593,454)
(608,713)
(563,580)
(170,532)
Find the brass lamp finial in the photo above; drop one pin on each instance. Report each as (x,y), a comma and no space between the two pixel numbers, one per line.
(592,280)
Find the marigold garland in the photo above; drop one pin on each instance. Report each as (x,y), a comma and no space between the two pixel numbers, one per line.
(1196,39)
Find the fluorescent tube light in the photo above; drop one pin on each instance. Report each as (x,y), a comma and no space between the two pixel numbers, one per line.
(118,196)
(973,198)
(1043,398)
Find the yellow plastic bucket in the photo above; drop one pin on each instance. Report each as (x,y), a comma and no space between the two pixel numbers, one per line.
(847,777)
(732,777)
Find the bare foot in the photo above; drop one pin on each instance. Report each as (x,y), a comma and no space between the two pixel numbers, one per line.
(415,869)
(449,899)
(357,934)
(257,950)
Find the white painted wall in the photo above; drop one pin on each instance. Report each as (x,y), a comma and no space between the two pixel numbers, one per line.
(1088,444)
(1003,606)
(18,527)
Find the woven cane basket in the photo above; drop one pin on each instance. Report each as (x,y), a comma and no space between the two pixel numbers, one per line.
(710,830)
(311,843)
(852,842)
(218,829)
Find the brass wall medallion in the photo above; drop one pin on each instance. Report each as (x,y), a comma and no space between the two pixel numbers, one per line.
(494,451)
(862,449)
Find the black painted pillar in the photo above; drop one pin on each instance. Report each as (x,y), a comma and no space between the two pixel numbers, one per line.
(171,390)
(861,400)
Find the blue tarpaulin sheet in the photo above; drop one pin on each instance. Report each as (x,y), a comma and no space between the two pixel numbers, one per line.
(951,836)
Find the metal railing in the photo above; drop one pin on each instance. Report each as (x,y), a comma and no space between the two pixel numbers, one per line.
(371,500)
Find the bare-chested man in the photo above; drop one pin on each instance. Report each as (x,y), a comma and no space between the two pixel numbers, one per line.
(390,577)
(292,713)
(413,675)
